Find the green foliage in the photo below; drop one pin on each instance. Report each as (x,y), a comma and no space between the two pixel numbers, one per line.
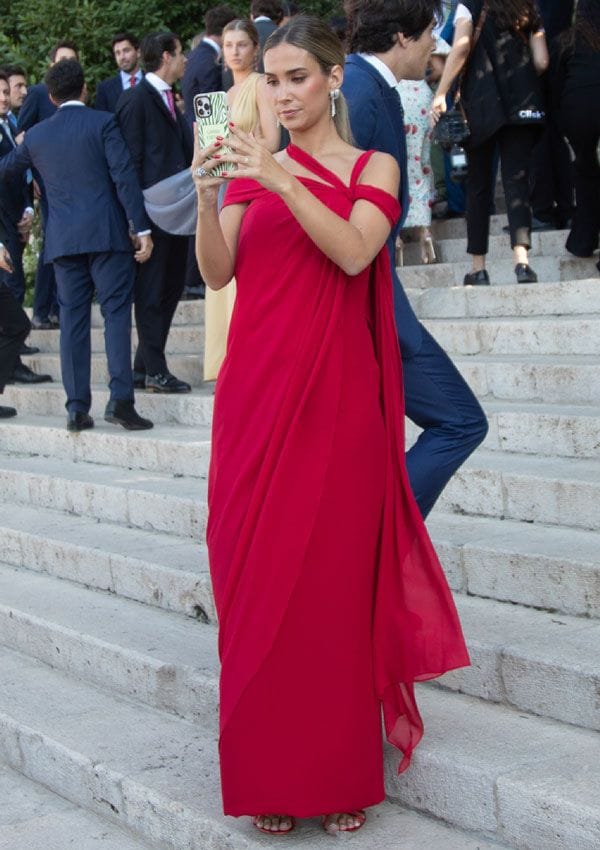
(32,27)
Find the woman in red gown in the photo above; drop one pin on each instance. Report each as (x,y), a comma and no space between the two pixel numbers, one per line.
(331,600)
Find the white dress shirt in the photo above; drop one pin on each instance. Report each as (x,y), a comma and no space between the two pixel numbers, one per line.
(379,65)
(126,78)
(161,87)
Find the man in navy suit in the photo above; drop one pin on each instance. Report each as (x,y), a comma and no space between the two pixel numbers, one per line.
(204,67)
(37,106)
(95,212)
(161,145)
(392,40)
(266,16)
(126,50)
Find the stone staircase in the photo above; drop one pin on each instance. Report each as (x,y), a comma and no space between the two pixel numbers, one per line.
(108,656)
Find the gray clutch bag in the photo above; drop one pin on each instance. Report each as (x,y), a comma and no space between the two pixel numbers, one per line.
(172,205)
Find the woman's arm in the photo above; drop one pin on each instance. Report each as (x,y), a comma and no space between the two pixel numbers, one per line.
(461,47)
(269,132)
(352,244)
(216,236)
(539,51)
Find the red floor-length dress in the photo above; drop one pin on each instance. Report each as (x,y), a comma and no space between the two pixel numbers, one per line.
(330,598)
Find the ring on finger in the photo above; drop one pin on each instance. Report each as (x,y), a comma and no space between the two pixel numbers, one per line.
(200,171)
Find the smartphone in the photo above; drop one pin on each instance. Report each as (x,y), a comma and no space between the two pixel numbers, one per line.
(212,119)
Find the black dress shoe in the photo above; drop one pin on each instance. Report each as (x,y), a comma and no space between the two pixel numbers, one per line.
(29,349)
(78,421)
(539,224)
(122,412)
(166,384)
(139,380)
(7,412)
(480,278)
(24,375)
(525,274)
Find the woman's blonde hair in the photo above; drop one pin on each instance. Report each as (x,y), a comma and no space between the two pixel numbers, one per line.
(311,34)
(244,111)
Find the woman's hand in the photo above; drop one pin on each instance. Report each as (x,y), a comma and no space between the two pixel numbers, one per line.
(253,160)
(438,106)
(207,184)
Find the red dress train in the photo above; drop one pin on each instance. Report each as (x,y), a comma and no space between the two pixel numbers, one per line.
(331,600)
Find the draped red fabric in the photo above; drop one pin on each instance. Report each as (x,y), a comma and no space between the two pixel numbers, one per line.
(331,600)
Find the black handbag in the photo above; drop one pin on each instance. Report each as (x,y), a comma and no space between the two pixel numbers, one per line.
(452,129)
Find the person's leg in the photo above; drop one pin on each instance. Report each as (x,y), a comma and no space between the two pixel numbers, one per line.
(14,327)
(75,292)
(44,294)
(150,283)
(516,144)
(438,400)
(583,136)
(479,198)
(15,280)
(174,283)
(113,276)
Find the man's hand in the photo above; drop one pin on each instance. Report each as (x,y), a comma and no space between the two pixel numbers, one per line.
(5,260)
(143,246)
(24,226)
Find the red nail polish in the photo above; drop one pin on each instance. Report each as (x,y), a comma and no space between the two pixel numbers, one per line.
(220,138)
(216,156)
(231,124)
(217,144)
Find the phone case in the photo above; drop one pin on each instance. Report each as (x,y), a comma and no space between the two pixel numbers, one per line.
(212,119)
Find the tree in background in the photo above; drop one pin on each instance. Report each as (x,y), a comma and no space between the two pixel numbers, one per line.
(30,28)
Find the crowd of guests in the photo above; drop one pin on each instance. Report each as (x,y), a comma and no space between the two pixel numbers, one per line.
(540,126)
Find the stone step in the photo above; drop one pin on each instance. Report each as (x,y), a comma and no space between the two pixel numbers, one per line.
(186,313)
(542,566)
(453,250)
(159,658)
(537,662)
(33,818)
(480,766)
(156,569)
(501,271)
(172,449)
(183,339)
(531,427)
(193,408)
(456,228)
(135,498)
(555,491)
(187,367)
(567,298)
(545,567)
(519,336)
(565,379)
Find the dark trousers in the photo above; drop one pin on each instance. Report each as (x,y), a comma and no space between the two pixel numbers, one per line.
(439,401)
(14,327)
(158,288)
(44,296)
(111,274)
(581,120)
(15,280)
(552,178)
(515,144)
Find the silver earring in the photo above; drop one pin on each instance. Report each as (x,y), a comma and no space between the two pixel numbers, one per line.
(333,96)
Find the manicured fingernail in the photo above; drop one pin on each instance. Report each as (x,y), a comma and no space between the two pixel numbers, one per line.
(220,138)
(217,144)
(216,156)
(231,124)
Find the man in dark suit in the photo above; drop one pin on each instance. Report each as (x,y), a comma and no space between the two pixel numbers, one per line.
(204,72)
(266,16)
(95,212)
(126,50)
(392,40)
(160,141)
(204,67)
(14,327)
(37,106)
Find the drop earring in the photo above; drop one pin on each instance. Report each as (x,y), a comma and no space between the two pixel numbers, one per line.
(333,96)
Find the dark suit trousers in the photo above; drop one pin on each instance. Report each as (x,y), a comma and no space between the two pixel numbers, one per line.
(111,274)
(14,327)
(581,120)
(15,280)
(44,296)
(158,288)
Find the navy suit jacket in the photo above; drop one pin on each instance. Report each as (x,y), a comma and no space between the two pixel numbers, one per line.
(37,106)
(159,145)
(377,122)
(108,93)
(15,194)
(203,73)
(94,199)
